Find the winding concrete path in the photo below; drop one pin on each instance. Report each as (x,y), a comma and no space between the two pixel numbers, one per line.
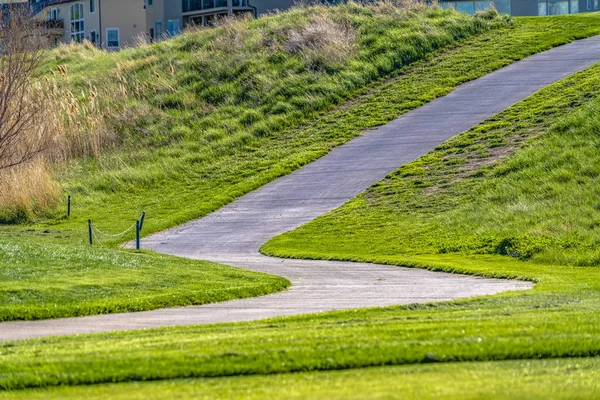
(234,234)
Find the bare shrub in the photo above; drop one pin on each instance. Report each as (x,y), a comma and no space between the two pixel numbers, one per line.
(21,52)
(43,122)
(322,41)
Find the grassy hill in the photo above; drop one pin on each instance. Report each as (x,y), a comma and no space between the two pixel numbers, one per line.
(178,129)
(172,129)
(514,197)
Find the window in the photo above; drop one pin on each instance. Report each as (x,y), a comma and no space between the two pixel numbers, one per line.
(112,38)
(92,6)
(53,14)
(158,30)
(595,4)
(77,27)
(589,4)
(465,7)
(503,6)
(557,7)
(149,2)
(542,8)
(574,6)
(482,5)
(94,37)
(174,27)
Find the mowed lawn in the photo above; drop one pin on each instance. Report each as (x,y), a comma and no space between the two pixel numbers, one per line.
(59,275)
(522,379)
(440,212)
(48,280)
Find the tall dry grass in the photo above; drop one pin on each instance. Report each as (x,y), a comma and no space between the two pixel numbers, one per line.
(26,189)
(322,41)
(69,126)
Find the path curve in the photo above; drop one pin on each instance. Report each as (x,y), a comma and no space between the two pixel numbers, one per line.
(234,234)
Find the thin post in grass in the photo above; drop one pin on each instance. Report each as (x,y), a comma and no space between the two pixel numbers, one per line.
(69,206)
(137,234)
(142,220)
(90,232)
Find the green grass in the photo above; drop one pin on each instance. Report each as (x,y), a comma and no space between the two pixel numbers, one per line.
(466,196)
(52,281)
(548,379)
(181,183)
(194,149)
(558,318)
(221,106)
(208,169)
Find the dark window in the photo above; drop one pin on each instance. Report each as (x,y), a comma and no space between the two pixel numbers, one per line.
(112,38)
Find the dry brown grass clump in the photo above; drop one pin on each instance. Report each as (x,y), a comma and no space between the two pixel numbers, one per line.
(25,189)
(322,41)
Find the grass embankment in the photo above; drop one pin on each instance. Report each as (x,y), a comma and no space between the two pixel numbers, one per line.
(199,120)
(189,175)
(556,319)
(50,281)
(547,379)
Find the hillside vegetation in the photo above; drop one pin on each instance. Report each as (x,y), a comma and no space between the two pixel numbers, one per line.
(169,122)
(180,128)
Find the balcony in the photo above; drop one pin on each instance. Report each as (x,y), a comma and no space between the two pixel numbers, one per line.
(55,24)
(196,6)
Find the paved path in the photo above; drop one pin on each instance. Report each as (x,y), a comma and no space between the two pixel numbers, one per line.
(234,234)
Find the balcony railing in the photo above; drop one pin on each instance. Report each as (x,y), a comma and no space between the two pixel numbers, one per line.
(55,24)
(202,5)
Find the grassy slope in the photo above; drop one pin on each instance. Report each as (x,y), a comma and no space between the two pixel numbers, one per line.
(548,379)
(556,319)
(224,104)
(197,148)
(52,281)
(212,183)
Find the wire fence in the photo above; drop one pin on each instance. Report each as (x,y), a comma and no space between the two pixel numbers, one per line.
(97,235)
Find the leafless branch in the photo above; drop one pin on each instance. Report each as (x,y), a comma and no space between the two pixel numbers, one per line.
(22,46)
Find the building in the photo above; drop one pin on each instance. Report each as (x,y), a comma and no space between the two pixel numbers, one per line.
(525,7)
(109,24)
(114,24)
(169,16)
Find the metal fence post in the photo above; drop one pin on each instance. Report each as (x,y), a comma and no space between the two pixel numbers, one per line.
(137,234)
(69,206)
(142,220)
(90,231)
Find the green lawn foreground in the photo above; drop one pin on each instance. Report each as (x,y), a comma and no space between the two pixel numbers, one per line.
(523,379)
(28,292)
(41,281)
(557,319)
